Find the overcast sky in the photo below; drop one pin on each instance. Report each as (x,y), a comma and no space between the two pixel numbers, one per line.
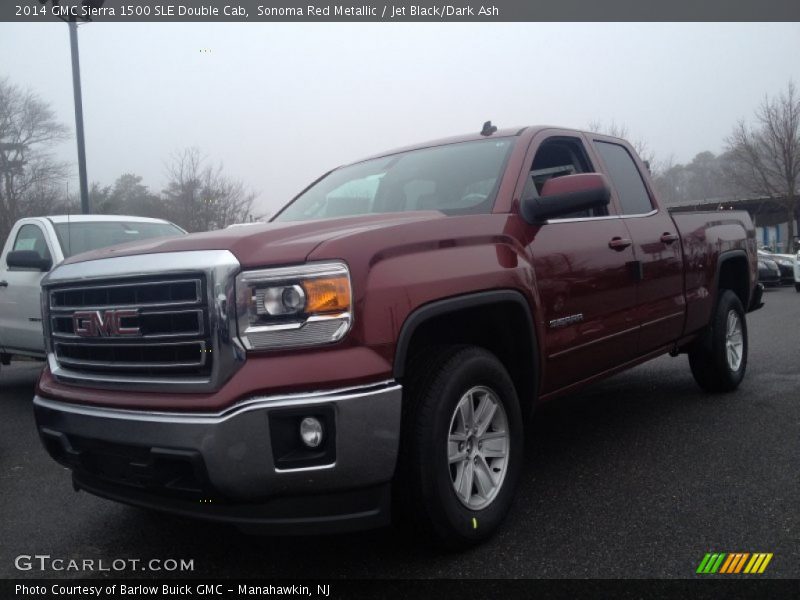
(278,104)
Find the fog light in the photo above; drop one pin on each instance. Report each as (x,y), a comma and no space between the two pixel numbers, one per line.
(311,432)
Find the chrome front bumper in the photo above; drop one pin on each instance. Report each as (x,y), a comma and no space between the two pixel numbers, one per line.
(211,465)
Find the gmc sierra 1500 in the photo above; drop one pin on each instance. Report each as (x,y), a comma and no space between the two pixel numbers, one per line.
(380,342)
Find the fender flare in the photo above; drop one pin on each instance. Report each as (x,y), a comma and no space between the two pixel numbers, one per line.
(453,304)
(725,257)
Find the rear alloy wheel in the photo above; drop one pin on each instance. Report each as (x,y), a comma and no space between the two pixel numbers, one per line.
(461,448)
(734,341)
(719,359)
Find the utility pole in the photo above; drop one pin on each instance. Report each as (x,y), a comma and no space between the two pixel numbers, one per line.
(76,87)
(71,18)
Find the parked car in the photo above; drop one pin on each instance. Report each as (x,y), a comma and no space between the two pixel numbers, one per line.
(785,263)
(375,347)
(34,246)
(797,273)
(768,271)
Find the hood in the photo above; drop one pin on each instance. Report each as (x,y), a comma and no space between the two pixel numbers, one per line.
(262,245)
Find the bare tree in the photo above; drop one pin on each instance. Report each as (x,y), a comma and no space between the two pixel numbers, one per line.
(30,180)
(764,159)
(183,173)
(671,182)
(200,197)
(702,179)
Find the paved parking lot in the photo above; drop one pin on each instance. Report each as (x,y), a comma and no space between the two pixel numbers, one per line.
(639,476)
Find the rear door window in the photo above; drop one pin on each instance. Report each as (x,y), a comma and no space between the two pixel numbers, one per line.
(632,193)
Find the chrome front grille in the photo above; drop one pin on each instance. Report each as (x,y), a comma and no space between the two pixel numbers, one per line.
(143,326)
(151,322)
(110,357)
(155,324)
(140,293)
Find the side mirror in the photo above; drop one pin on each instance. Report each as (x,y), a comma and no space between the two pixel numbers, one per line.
(565,195)
(28,259)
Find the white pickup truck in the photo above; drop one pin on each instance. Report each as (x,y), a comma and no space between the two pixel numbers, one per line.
(37,244)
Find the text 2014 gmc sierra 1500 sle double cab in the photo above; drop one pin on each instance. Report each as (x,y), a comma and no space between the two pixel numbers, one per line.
(377,345)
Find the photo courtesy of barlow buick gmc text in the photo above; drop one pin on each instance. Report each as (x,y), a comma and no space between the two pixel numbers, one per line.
(380,300)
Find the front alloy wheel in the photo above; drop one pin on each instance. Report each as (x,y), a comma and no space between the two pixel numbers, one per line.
(461,446)
(477,447)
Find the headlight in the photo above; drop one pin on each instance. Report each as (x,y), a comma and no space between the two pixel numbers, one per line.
(785,262)
(289,307)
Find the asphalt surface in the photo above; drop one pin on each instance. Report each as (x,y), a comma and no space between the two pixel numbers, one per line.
(638,476)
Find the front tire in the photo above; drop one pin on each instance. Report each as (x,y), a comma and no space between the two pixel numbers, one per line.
(462,444)
(797,287)
(719,359)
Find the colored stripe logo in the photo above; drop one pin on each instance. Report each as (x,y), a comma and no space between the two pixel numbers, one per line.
(734,563)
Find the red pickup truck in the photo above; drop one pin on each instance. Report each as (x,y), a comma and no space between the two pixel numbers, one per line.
(376,347)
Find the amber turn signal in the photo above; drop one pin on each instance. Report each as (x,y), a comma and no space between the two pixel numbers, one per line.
(330,294)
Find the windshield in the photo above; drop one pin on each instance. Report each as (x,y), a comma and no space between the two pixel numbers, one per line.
(82,237)
(455,179)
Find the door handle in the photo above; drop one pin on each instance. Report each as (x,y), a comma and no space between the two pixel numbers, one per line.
(668,238)
(3,284)
(619,243)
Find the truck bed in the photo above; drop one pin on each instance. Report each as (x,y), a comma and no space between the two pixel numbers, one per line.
(705,235)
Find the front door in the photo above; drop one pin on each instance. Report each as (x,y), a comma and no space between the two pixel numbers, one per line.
(20,306)
(583,274)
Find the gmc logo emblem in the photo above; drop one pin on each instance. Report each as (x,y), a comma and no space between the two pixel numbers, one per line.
(98,323)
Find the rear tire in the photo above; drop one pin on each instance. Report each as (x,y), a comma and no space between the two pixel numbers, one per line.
(461,446)
(719,359)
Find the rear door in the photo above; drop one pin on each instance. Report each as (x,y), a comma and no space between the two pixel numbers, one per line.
(661,309)
(20,309)
(581,262)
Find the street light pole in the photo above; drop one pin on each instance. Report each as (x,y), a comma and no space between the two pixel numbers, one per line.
(76,86)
